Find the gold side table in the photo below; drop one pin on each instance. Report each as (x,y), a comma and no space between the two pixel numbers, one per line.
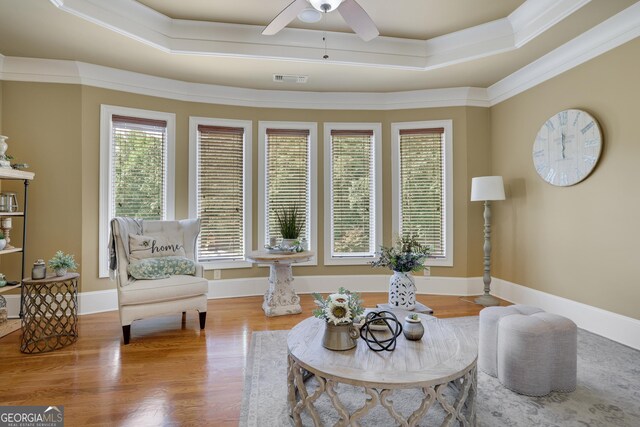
(50,313)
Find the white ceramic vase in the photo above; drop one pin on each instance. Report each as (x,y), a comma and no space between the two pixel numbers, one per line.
(3,243)
(402,291)
(61,272)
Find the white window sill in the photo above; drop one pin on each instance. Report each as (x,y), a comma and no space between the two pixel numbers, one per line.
(225,265)
(439,262)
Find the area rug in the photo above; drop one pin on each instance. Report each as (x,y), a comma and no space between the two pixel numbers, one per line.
(11,325)
(608,391)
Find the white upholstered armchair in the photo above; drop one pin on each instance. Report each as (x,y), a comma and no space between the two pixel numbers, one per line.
(138,299)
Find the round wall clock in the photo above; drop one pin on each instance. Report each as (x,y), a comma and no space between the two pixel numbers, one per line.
(567,147)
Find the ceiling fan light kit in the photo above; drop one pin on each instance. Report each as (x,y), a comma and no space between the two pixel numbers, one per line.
(325,5)
(352,13)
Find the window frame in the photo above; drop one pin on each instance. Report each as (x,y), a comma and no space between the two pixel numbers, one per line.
(447,260)
(312,127)
(247,125)
(106,170)
(329,259)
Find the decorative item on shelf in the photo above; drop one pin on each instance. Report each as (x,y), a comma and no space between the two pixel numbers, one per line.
(62,262)
(406,256)
(487,188)
(3,241)
(381,339)
(291,224)
(4,158)
(338,311)
(8,202)
(39,270)
(413,329)
(20,166)
(6,225)
(3,280)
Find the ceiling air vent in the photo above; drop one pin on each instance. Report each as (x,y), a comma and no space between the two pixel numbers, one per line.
(289,78)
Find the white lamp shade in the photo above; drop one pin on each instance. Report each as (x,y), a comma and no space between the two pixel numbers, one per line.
(487,188)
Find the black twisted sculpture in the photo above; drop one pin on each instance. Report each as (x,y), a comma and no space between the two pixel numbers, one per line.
(380,340)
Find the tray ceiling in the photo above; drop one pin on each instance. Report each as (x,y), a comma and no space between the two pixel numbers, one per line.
(458,43)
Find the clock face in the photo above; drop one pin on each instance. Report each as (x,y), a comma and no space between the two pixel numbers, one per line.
(567,148)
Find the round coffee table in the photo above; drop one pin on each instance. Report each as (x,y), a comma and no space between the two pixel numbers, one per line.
(445,357)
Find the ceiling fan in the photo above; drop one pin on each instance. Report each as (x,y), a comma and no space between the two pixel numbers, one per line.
(353,14)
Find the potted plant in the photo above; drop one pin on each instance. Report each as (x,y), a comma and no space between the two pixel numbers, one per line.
(413,329)
(338,311)
(406,256)
(290,222)
(3,241)
(62,262)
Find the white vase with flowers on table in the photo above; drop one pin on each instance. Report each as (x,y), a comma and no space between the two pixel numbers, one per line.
(406,256)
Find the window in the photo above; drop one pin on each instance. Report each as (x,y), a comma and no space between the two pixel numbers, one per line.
(287,178)
(136,168)
(353,193)
(422,175)
(220,190)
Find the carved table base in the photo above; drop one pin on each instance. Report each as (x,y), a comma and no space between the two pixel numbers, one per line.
(462,411)
(281,298)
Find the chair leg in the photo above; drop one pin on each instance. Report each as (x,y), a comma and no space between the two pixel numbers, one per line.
(126,333)
(203,319)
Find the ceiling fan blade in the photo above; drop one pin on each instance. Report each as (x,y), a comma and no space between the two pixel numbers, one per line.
(358,19)
(287,15)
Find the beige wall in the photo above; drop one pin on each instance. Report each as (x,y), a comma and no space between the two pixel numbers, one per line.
(579,242)
(43,122)
(56,129)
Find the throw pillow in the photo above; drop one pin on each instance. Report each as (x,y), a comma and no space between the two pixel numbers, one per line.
(143,247)
(161,268)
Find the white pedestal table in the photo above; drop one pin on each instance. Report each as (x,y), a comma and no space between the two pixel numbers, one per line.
(280,298)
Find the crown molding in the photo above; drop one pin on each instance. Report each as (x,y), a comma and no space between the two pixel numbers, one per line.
(615,31)
(141,23)
(73,72)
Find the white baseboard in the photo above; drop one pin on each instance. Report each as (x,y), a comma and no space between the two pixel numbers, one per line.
(622,329)
(616,327)
(107,300)
(362,283)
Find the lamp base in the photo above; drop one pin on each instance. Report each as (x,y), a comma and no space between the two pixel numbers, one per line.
(487,300)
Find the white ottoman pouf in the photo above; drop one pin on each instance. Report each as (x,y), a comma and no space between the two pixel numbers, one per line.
(530,352)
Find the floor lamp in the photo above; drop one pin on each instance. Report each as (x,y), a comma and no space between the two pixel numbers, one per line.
(487,188)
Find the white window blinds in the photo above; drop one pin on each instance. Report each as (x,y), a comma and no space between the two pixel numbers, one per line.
(287,180)
(220,193)
(422,187)
(352,193)
(138,167)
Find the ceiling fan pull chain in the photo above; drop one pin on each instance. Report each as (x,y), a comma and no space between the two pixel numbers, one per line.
(324,39)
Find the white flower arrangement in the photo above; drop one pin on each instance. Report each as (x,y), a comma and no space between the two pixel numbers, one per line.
(338,308)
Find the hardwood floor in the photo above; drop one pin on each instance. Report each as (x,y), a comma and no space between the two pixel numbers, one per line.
(170,373)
